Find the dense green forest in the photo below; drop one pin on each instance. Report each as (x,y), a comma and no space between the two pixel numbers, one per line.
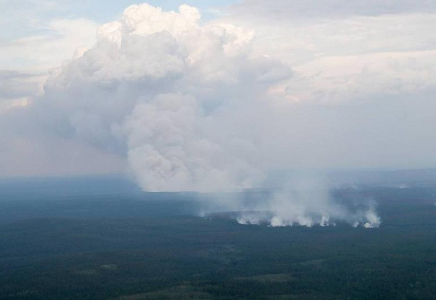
(148,246)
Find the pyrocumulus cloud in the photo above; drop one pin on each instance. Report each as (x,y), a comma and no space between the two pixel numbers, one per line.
(188,105)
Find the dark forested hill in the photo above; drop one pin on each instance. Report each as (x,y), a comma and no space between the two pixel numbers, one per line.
(151,246)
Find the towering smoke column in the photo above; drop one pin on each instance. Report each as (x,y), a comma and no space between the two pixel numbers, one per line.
(186,105)
(169,94)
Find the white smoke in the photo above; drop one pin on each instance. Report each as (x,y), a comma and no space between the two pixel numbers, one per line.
(187,105)
(168,93)
(308,202)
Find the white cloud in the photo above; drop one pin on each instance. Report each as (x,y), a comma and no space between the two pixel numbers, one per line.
(25,61)
(43,51)
(285,9)
(347,57)
(355,79)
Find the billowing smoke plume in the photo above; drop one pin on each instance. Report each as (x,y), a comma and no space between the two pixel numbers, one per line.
(187,105)
(169,93)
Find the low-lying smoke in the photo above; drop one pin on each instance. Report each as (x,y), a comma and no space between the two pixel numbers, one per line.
(287,209)
(306,201)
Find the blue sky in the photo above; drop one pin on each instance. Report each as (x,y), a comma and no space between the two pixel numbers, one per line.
(111,9)
(92,9)
(26,21)
(12,12)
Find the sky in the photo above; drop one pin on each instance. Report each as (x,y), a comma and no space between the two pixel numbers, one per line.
(215,94)
(35,24)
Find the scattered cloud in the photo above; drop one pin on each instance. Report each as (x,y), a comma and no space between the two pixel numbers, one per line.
(286,9)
